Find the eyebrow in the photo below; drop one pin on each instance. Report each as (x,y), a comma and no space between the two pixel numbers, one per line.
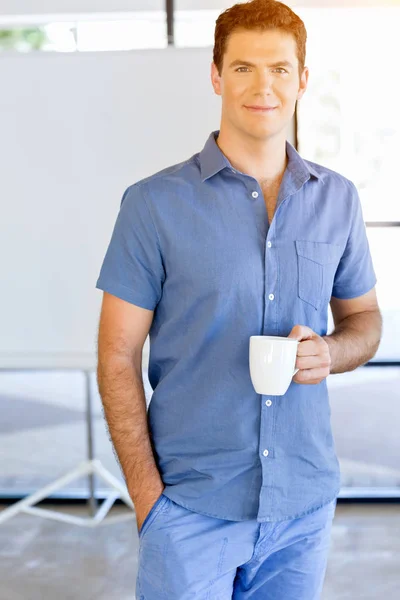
(281,63)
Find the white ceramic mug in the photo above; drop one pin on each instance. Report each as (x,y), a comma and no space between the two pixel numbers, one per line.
(272,360)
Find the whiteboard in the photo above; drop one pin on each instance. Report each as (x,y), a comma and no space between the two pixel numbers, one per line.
(77,130)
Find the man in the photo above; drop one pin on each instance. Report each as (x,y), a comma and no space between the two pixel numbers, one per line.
(235,492)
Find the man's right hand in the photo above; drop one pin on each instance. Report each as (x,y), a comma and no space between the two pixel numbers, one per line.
(144,503)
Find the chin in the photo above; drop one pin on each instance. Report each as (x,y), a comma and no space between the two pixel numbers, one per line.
(264,132)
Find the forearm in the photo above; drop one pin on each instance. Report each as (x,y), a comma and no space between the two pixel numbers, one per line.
(354,341)
(121,389)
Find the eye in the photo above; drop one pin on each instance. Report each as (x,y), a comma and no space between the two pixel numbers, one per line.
(279,69)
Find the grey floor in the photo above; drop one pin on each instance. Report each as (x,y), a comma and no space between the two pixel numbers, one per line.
(43,559)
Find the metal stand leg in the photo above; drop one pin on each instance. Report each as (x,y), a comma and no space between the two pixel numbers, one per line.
(89,430)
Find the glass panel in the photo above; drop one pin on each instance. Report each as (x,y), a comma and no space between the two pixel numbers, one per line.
(365,415)
(385,248)
(134,31)
(144,30)
(349,119)
(384,245)
(203,5)
(55,37)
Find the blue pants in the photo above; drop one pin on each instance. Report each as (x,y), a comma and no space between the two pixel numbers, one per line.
(185,555)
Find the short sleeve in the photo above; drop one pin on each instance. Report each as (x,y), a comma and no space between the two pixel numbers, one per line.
(132,268)
(355,274)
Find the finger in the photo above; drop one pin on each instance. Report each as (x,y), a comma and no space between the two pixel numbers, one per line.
(308,348)
(301,332)
(312,382)
(311,375)
(308,363)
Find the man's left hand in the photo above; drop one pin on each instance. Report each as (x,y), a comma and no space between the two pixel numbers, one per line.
(313,356)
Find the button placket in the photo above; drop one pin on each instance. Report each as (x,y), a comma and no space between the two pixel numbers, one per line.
(271,315)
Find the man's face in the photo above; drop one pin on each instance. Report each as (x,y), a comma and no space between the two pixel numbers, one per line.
(271,80)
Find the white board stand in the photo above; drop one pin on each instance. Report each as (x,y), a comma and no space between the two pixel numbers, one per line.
(90,468)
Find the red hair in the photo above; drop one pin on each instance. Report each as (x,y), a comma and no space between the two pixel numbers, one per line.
(258,15)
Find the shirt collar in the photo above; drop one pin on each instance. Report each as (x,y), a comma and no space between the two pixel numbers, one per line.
(213,160)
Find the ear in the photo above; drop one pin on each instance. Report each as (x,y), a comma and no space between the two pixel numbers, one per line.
(215,79)
(303,83)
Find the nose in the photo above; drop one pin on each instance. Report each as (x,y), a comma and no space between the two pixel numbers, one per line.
(263,82)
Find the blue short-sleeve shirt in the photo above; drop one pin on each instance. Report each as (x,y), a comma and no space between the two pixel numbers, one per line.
(193,243)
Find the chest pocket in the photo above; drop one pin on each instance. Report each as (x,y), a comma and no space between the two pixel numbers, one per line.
(316,263)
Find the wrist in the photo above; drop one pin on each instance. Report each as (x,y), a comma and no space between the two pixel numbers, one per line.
(147,492)
(330,341)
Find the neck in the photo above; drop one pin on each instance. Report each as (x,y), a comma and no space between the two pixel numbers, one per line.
(265,159)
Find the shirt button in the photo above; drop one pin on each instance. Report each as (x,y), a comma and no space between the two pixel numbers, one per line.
(255,194)
(265,452)
(269,244)
(268,402)
(271,296)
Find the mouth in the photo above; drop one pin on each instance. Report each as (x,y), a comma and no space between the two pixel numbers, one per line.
(261,109)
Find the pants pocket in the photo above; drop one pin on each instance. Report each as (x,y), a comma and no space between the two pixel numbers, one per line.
(155,509)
